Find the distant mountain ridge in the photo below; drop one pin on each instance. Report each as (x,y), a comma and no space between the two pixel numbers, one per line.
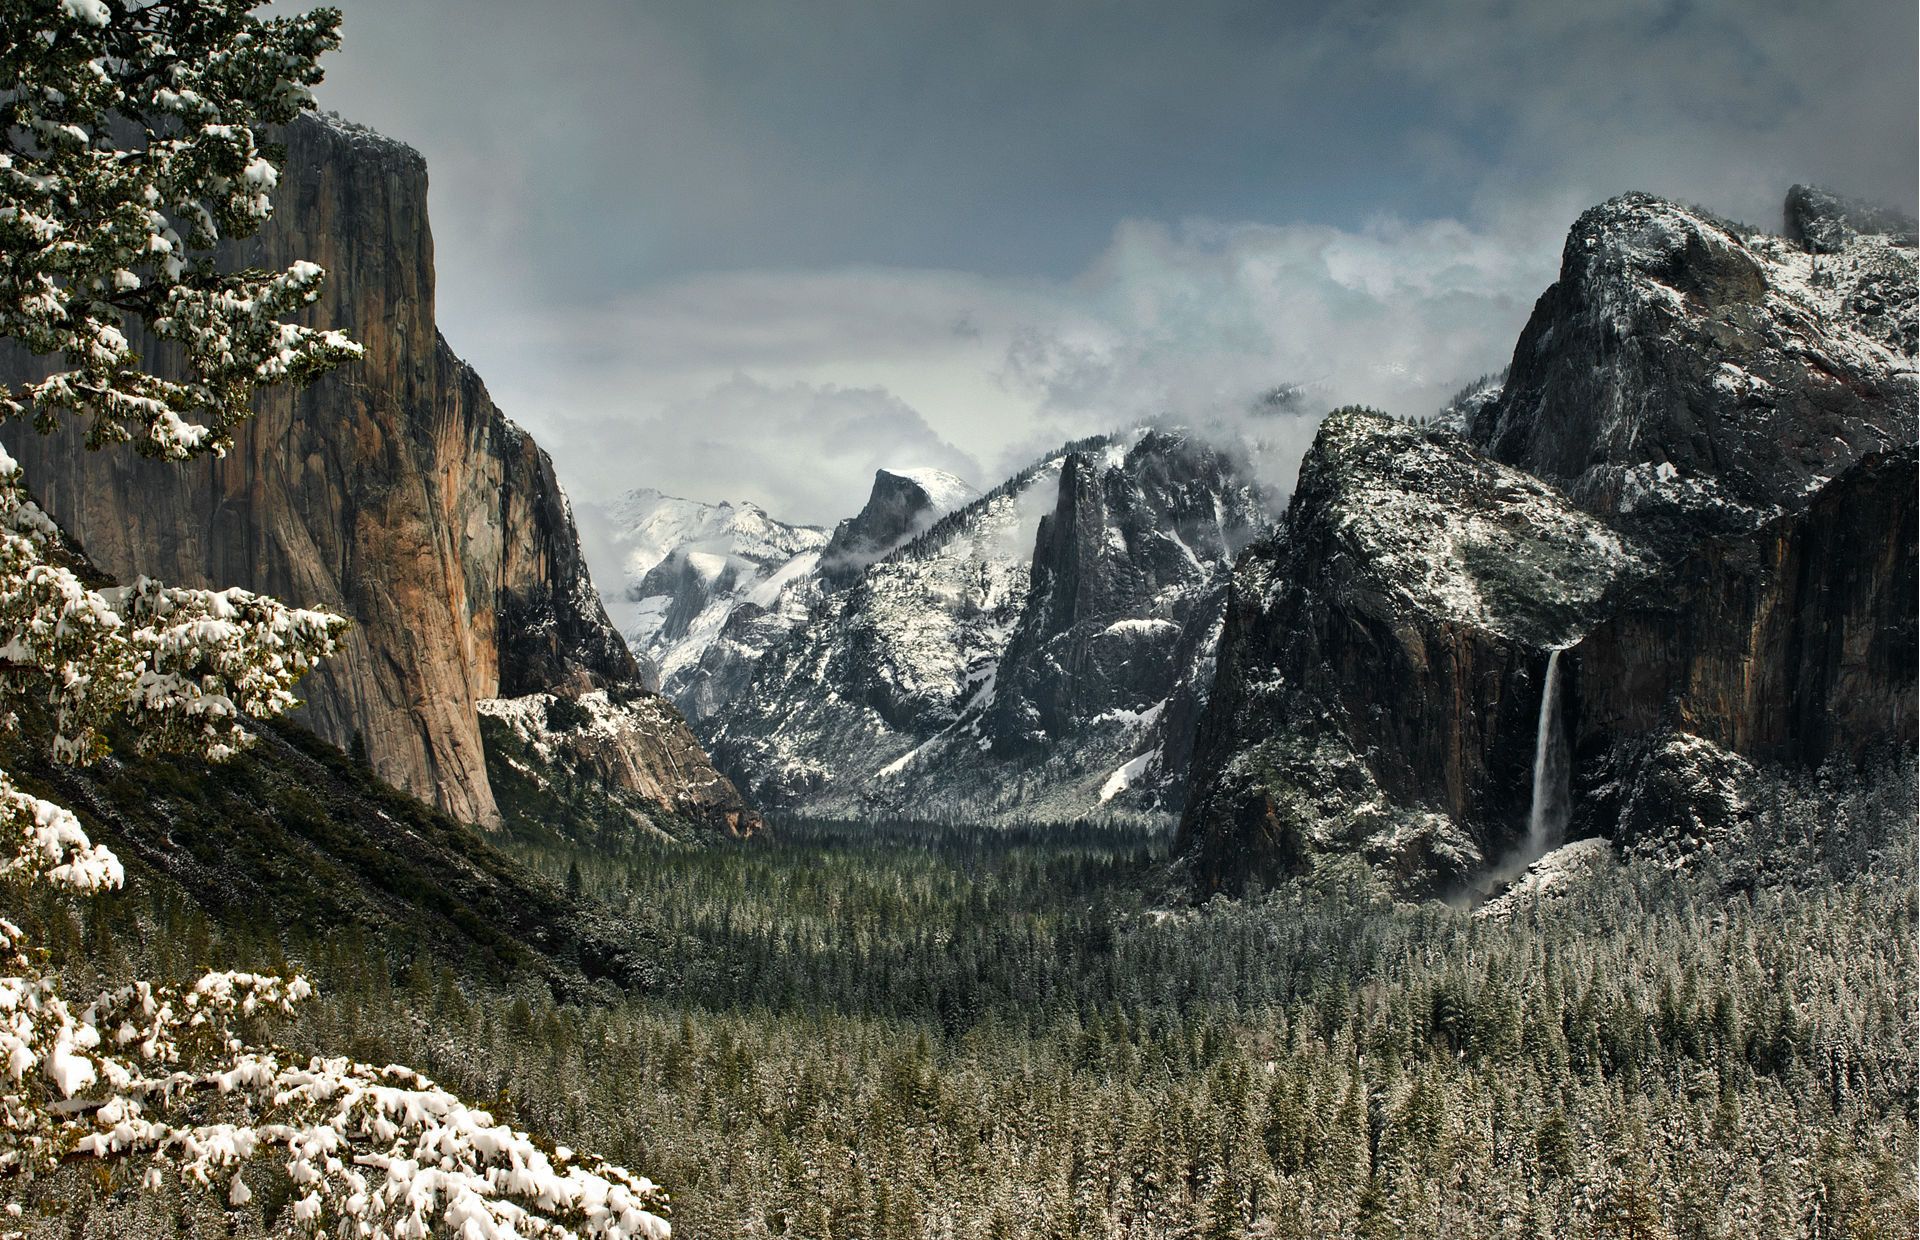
(1039,652)
(709,588)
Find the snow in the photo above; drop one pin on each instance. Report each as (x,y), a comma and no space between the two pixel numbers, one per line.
(1125,777)
(1450,531)
(896,685)
(1136,627)
(945,491)
(707,566)
(771,565)
(1551,875)
(1135,719)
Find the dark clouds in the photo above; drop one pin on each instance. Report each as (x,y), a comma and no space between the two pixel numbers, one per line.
(643,140)
(1001,221)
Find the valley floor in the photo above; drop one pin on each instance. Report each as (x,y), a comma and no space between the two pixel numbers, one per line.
(891,1031)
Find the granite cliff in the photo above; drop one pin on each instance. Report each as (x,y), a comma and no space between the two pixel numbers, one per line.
(1696,484)
(392,491)
(1039,652)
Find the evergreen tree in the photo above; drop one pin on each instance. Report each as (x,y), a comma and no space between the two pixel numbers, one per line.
(131,141)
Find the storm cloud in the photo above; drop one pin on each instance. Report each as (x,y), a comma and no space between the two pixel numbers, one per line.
(974,228)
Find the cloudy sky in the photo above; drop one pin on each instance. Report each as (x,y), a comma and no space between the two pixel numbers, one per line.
(758,248)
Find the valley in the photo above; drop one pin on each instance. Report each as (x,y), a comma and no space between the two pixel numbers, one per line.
(1223,809)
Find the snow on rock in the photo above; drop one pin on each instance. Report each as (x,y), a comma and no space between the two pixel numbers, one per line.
(1393,636)
(688,568)
(945,491)
(1552,875)
(1125,777)
(637,745)
(1458,536)
(1698,474)
(1685,369)
(1005,658)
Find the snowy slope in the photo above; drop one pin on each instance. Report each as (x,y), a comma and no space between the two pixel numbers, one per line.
(687,567)
(1039,652)
(709,588)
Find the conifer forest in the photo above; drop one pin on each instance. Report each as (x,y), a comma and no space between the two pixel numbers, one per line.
(897,1029)
(1226,780)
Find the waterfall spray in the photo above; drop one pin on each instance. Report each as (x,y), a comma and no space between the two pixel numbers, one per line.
(1547,821)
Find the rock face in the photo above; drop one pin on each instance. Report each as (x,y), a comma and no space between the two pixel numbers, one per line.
(1704,381)
(1029,654)
(903,503)
(1794,644)
(1697,480)
(1823,222)
(1382,663)
(392,491)
(639,750)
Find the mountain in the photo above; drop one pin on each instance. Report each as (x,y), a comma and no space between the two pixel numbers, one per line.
(688,568)
(1692,377)
(903,503)
(1041,651)
(1672,558)
(711,587)
(392,491)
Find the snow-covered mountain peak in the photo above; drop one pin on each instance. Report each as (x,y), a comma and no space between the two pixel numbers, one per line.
(687,566)
(904,503)
(945,491)
(1686,367)
(648,525)
(1041,650)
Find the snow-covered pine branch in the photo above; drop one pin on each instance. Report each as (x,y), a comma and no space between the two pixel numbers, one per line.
(378,1152)
(97,233)
(181,665)
(97,236)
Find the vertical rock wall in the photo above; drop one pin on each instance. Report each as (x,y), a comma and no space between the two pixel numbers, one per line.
(391,491)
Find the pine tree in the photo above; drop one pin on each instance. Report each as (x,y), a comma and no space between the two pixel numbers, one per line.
(131,141)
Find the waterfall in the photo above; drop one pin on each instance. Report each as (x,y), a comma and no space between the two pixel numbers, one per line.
(1547,821)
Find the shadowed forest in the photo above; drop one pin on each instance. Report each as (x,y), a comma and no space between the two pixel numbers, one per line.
(897,1030)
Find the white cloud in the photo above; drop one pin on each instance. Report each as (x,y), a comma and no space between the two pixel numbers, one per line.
(805,452)
(760,385)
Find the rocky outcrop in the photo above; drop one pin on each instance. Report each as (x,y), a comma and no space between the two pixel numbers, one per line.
(902,503)
(1383,659)
(392,491)
(1033,653)
(1821,221)
(1125,591)
(638,748)
(1700,380)
(1715,524)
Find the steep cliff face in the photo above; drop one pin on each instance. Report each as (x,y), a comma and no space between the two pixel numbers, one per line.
(392,491)
(1125,591)
(1701,380)
(1794,644)
(1720,538)
(1026,654)
(1383,661)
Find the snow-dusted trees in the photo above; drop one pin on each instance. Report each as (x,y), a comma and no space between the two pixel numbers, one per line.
(130,143)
